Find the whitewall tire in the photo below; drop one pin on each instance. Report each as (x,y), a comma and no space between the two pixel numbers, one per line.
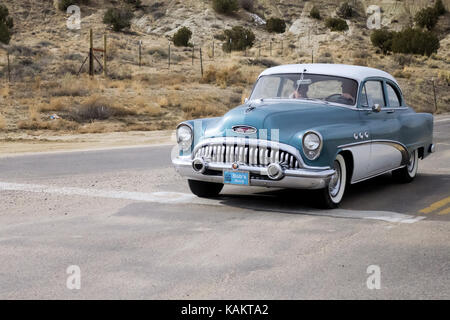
(409,172)
(332,195)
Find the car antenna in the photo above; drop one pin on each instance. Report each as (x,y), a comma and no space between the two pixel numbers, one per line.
(301,79)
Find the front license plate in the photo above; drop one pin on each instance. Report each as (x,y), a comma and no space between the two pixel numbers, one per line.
(235,177)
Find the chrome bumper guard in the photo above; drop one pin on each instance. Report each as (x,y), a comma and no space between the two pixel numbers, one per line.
(292,178)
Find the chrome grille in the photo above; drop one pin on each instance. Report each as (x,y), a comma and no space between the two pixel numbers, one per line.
(249,155)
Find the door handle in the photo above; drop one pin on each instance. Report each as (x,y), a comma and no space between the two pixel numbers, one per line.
(390,111)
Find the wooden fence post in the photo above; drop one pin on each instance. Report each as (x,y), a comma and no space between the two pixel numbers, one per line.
(169,55)
(91,54)
(193,50)
(213,49)
(270,47)
(104,55)
(434,95)
(201,62)
(140,53)
(9,68)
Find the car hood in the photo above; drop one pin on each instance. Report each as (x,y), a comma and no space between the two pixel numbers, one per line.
(290,117)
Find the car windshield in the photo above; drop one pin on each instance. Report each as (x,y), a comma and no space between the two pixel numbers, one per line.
(306,86)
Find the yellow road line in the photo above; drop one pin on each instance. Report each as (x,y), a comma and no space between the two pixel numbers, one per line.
(445,211)
(436,205)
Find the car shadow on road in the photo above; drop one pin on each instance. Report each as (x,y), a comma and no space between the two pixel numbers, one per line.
(382,193)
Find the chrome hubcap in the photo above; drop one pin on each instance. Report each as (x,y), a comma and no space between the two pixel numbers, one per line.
(335,182)
(411,162)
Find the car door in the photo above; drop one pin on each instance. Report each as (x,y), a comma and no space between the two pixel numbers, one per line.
(384,127)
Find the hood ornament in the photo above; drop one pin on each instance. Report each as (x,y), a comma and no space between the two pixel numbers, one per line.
(244,129)
(250,109)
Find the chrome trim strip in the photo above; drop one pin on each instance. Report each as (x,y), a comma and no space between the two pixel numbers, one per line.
(377,174)
(256,143)
(398,145)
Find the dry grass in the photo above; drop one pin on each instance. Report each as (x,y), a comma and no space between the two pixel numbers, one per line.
(99,108)
(70,86)
(223,77)
(55,104)
(33,113)
(5,92)
(2,122)
(144,106)
(56,125)
(93,127)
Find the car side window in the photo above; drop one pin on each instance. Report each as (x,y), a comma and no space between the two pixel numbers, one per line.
(364,101)
(374,92)
(393,96)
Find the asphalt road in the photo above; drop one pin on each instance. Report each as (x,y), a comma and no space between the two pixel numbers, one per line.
(130,224)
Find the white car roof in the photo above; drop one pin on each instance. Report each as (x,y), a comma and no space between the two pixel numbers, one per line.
(357,73)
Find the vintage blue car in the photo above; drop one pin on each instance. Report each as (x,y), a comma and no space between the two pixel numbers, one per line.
(307,126)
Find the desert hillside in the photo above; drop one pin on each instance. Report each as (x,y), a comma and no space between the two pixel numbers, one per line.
(46,90)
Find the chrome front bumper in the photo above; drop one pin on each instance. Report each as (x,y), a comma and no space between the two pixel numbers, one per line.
(293,178)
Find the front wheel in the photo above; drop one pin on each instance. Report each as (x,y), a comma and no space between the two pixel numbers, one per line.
(331,196)
(408,173)
(205,189)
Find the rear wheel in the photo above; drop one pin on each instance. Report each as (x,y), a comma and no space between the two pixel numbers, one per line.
(205,189)
(331,196)
(408,173)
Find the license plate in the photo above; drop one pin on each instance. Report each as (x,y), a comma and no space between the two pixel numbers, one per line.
(235,177)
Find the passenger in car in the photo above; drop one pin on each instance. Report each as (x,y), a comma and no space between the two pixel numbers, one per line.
(349,91)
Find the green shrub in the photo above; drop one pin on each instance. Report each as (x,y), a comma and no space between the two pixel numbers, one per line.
(64,4)
(118,18)
(275,25)
(135,3)
(6,24)
(336,24)
(426,18)
(181,37)
(382,39)
(225,6)
(439,8)
(247,5)
(238,39)
(315,13)
(415,41)
(345,11)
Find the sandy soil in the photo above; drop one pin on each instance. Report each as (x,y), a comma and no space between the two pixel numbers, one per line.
(22,143)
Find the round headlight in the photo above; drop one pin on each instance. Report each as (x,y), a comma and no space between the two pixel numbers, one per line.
(311,141)
(312,145)
(184,136)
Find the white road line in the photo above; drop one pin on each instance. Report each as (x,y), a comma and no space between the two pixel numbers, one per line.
(442,120)
(187,198)
(163,197)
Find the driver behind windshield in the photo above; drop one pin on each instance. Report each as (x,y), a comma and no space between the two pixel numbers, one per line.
(299,91)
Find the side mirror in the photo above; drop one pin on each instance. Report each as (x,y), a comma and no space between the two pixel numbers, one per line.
(376,107)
